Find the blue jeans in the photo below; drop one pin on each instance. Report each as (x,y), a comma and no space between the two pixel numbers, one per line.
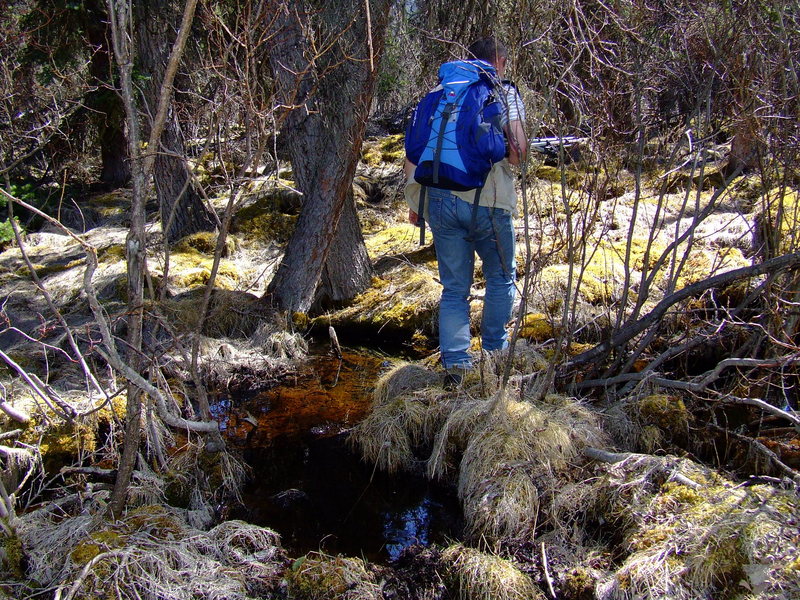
(450,221)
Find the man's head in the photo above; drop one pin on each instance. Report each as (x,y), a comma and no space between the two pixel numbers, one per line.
(492,51)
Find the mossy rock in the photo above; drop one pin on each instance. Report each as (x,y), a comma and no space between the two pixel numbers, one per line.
(572,178)
(703,263)
(403,300)
(190,268)
(61,443)
(97,543)
(266,226)
(396,239)
(712,177)
(112,254)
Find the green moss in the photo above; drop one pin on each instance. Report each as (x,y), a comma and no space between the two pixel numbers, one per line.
(12,555)
(98,542)
(316,576)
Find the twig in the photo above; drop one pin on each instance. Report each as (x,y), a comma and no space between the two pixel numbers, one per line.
(766,406)
(547,573)
(83,575)
(337,349)
(616,457)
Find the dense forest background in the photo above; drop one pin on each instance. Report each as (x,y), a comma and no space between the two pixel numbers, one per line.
(687,120)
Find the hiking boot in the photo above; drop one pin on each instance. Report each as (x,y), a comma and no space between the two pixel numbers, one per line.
(454,376)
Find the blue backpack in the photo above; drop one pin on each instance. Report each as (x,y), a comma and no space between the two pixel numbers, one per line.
(455,134)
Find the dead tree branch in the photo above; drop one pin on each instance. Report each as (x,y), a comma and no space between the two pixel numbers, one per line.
(631,330)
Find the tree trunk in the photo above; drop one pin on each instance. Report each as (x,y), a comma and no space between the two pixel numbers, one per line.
(106,103)
(348,270)
(330,99)
(182,209)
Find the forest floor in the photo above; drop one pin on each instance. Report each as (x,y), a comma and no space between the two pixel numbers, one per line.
(642,493)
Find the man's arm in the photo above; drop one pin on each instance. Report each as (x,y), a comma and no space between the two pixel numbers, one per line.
(408,169)
(517,143)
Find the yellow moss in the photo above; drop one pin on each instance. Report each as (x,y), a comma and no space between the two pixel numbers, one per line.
(537,327)
(190,269)
(388,149)
(204,242)
(664,411)
(111,254)
(392,240)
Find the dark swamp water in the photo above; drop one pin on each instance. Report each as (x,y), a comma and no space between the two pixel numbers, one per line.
(310,486)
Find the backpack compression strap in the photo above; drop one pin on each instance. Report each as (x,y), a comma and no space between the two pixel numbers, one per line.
(421,215)
(437,155)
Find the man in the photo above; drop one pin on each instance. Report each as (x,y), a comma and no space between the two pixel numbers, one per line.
(449,214)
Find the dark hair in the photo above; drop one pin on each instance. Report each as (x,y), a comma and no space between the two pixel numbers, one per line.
(488,49)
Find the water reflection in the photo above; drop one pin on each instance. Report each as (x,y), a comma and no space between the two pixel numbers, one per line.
(309,485)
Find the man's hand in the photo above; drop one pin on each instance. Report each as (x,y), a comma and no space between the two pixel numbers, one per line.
(413,217)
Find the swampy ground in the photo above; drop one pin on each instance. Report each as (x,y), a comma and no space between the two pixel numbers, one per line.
(360,476)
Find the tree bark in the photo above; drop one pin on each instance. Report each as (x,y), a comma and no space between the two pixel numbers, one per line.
(328,99)
(115,160)
(182,209)
(348,270)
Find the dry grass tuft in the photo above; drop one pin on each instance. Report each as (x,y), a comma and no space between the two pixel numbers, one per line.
(517,458)
(481,576)
(389,434)
(150,554)
(404,378)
